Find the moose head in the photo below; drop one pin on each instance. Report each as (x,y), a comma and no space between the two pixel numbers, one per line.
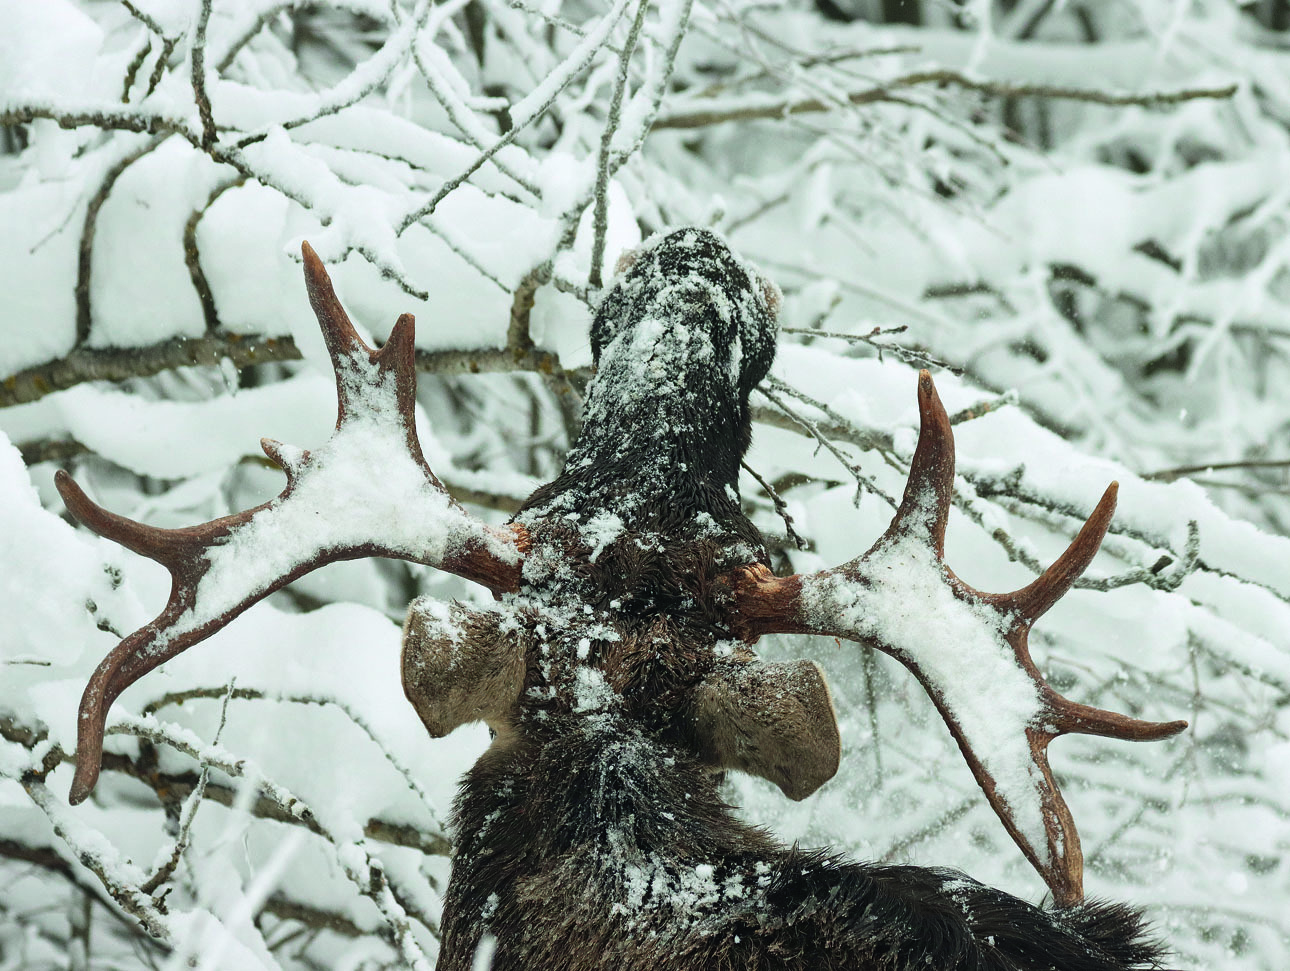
(616,668)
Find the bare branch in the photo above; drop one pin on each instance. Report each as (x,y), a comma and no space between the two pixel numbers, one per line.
(193,258)
(199,77)
(254,694)
(85,260)
(189,811)
(374,73)
(534,107)
(242,350)
(144,18)
(179,786)
(107,117)
(781,507)
(132,69)
(863,481)
(699,117)
(365,872)
(983,408)
(600,221)
(167,48)
(130,898)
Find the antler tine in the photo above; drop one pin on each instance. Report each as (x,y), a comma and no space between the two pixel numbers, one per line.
(1033,600)
(179,551)
(394,507)
(149,541)
(901,598)
(929,490)
(337,329)
(348,351)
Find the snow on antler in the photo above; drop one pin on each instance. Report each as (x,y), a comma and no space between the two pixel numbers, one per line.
(367,492)
(968,649)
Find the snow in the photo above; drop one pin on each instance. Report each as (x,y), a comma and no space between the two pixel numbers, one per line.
(47,51)
(899,597)
(1114,279)
(336,503)
(42,238)
(143,293)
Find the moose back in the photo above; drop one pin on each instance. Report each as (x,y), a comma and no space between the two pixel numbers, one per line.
(616,671)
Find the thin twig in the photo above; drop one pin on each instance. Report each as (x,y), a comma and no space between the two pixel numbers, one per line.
(866,439)
(983,408)
(863,481)
(193,256)
(163,59)
(659,88)
(547,92)
(344,94)
(462,115)
(255,694)
(781,507)
(144,18)
(803,59)
(366,873)
(189,811)
(907,354)
(1167,475)
(130,898)
(132,69)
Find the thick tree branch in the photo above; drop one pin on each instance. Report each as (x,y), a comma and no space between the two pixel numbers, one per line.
(120,364)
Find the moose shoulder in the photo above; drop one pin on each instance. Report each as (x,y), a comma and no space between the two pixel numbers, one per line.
(616,669)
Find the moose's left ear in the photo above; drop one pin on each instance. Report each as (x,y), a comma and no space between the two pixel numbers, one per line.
(773,719)
(460,664)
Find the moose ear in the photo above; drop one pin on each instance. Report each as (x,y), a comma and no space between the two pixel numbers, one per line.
(773,719)
(459,666)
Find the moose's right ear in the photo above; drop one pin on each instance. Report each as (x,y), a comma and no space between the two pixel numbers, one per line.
(773,719)
(459,666)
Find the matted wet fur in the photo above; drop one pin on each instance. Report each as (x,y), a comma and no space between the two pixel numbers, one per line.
(591,834)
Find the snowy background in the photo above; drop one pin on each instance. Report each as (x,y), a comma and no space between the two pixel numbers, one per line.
(1078,211)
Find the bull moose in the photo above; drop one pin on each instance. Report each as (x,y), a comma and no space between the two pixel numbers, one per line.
(616,668)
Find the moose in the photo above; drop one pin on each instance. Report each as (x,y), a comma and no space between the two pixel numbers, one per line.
(616,671)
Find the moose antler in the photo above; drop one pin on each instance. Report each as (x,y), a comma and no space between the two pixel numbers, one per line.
(968,649)
(367,492)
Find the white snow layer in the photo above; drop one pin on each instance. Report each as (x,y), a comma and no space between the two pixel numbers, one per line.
(901,599)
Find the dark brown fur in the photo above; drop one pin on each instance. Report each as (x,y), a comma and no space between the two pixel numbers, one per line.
(591,834)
